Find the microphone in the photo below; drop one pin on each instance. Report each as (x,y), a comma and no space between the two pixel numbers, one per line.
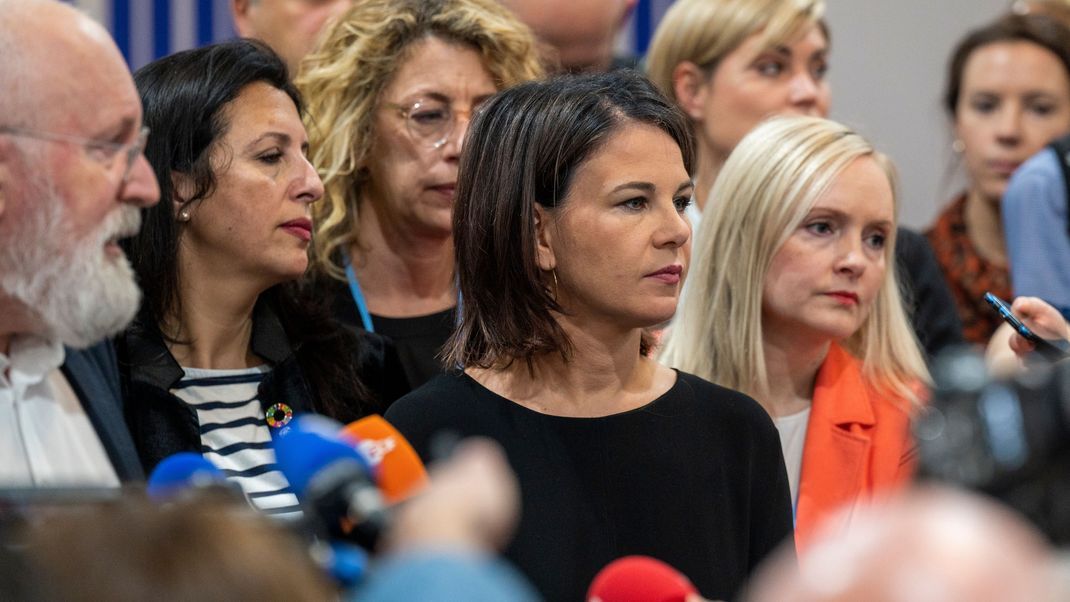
(332,480)
(640,579)
(182,472)
(399,472)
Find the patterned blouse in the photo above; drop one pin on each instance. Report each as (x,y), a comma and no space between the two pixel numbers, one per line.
(968,274)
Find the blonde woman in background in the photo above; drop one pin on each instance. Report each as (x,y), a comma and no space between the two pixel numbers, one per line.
(391,90)
(729,64)
(793,300)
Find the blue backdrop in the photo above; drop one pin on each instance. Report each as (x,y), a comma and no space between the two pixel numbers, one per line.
(149,29)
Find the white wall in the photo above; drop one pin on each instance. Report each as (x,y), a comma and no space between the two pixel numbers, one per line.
(889,59)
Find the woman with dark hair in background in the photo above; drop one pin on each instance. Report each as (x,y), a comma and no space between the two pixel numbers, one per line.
(391,89)
(224,351)
(1008,95)
(571,241)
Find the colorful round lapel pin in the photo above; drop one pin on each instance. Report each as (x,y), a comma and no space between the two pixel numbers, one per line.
(279,415)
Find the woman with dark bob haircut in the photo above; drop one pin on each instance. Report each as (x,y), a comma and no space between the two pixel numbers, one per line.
(571,241)
(225,350)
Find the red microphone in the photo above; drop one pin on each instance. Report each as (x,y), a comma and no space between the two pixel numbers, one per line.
(640,579)
(400,472)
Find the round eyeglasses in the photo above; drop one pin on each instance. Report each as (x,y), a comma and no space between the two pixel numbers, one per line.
(101,151)
(430,120)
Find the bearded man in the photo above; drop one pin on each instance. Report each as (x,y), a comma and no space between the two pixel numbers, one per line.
(72,181)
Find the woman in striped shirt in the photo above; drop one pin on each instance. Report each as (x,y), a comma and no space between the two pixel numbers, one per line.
(226,347)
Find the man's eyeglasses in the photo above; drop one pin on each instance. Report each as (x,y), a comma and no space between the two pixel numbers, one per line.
(431,121)
(99,150)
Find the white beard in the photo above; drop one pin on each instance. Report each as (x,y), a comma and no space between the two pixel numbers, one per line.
(78,293)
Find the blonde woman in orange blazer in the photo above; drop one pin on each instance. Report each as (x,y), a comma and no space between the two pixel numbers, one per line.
(793,300)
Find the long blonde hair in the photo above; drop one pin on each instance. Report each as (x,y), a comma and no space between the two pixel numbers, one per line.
(765,190)
(704,31)
(343,79)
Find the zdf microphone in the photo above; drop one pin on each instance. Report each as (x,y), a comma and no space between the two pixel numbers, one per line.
(398,470)
(332,480)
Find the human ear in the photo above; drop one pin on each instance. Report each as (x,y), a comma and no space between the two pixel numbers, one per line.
(6,155)
(544,251)
(957,145)
(182,189)
(239,9)
(3,191)
(626,11)
(689,84)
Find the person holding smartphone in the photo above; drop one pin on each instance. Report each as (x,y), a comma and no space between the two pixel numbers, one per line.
(793,300)
(1008,349)
(1042,318)
(1007,95)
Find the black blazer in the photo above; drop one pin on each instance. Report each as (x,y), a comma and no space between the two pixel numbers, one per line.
(94,376)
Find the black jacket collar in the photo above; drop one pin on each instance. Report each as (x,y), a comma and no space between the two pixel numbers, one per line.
(150,362)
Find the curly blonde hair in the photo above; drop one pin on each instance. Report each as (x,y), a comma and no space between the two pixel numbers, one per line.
(343,79)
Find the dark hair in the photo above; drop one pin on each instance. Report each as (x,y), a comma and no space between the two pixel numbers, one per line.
(184,97)
(524,148)
(1042,30)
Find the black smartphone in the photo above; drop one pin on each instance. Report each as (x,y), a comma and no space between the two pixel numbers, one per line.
(1043,347)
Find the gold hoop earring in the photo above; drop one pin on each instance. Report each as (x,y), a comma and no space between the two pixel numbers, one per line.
(552,290)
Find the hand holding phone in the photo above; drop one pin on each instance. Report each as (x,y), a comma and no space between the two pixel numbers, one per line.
(1042,346)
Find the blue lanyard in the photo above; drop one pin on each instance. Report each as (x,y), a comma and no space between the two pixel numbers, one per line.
(362,305)
(358,297)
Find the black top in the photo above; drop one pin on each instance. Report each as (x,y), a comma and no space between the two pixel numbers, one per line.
(926,296)
(417,340)
(694,478)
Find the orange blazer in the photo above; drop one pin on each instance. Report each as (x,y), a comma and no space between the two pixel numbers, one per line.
(858,444)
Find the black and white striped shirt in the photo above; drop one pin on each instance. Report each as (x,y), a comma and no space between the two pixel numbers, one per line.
(235,436)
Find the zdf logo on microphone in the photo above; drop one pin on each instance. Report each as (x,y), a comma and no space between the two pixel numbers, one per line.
(376,449)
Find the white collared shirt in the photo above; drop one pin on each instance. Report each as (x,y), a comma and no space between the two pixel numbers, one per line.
(46,438)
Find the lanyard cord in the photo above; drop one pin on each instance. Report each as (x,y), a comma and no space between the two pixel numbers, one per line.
(362,304)
(358,297)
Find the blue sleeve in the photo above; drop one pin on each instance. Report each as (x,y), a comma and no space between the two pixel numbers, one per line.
(444,576)
(1034,211)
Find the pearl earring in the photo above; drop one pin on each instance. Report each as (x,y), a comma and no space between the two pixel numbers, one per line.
(958,146)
